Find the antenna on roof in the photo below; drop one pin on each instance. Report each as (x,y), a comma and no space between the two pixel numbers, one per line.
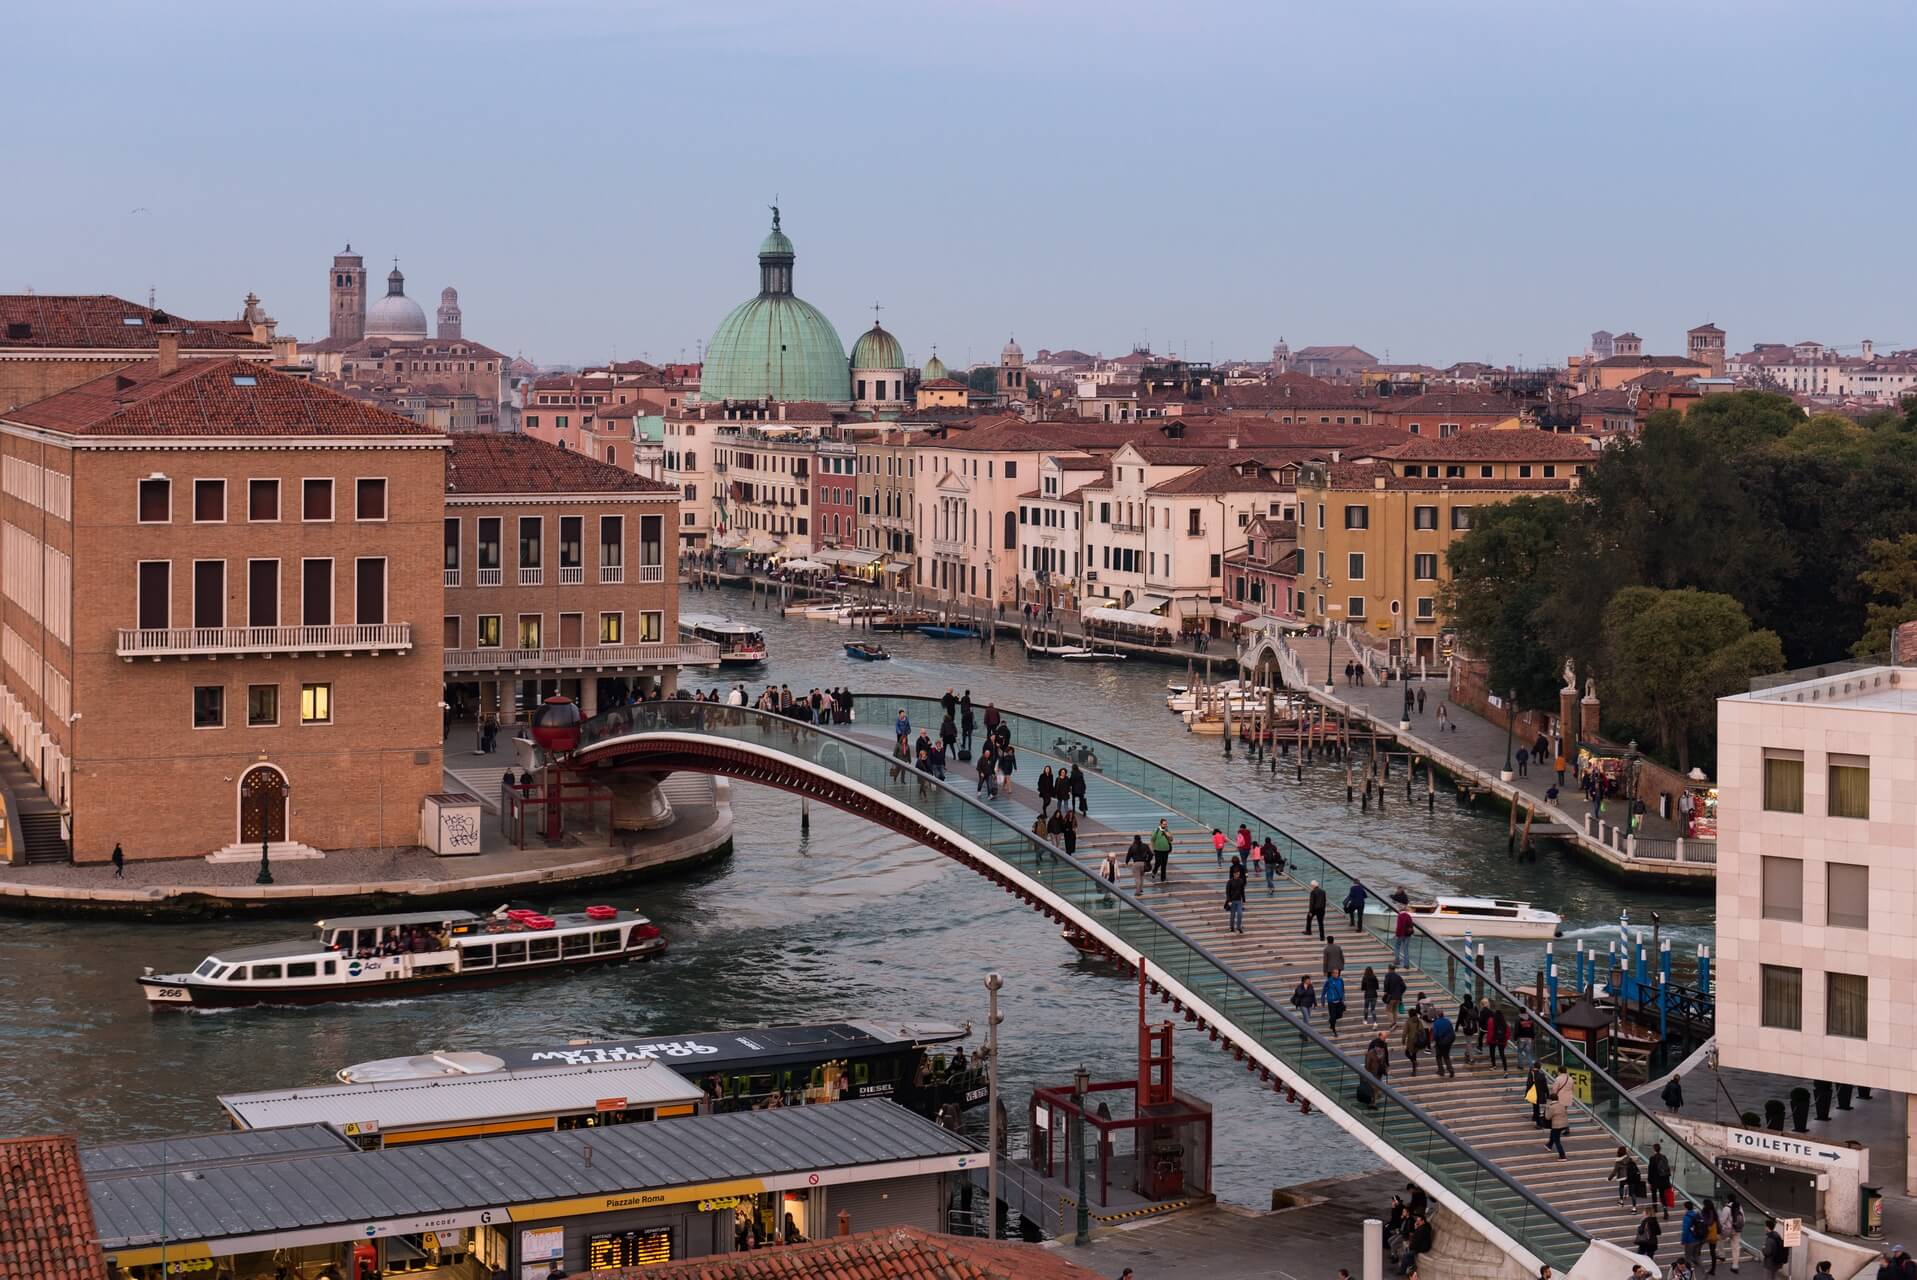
(149,297)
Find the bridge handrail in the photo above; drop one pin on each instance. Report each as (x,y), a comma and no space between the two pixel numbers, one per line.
(713,719)
(1629,1121)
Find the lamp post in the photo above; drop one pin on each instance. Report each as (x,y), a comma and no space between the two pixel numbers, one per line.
(1331,629)
(266,831)
(1510,729)
(1081,1085)
(992,985)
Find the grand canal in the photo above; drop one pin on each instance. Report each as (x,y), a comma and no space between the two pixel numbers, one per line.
(849,921)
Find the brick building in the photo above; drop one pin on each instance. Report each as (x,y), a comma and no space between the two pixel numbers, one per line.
(50,342)
(252,657)
(561,575)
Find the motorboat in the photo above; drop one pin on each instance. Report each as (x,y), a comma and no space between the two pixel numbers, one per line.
(853,614)
(1212,698)
(1073,653)
(903,620)
(812,607)
(948,631)
(866,651)
(739,643)
(410,954)
(1479,917)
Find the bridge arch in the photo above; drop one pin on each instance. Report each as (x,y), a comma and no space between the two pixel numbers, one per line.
(837,770)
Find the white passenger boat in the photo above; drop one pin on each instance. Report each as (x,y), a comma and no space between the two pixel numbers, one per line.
(355,957)
(739,643)
(1479,917)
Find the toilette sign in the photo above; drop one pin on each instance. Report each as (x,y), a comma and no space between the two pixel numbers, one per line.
(1759,1144)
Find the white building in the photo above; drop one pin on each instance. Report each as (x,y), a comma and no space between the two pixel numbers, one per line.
(1817,882)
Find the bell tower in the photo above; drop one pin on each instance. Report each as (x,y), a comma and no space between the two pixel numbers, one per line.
(347,292)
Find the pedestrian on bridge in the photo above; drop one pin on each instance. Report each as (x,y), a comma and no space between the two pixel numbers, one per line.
(1315,909)
(1394,993)
(1304,997)
(1401,937)
(1218,845)
(1255,864)
(988,774)
(1557,1114)
(1274,865)
(1244,842)
(1161,850)
(1629,1178)
(1334,998)
(1368,987)
(1525,1034)
(967,721)
(1044,790)
(1235,896)
(1497,1033)
(1354,904)
(1139,858)
(1334,956)
(1444,1034)
(1648,1231)
(1078,788)
(1415,1039)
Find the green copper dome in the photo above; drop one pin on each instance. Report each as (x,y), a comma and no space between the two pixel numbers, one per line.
(934,369)
(775,346)
(877,349)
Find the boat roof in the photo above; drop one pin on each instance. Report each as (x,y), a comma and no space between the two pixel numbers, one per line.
(691,1054)
(447,916)
(711,623)
(462,1099)
(269,951)
(541,1172)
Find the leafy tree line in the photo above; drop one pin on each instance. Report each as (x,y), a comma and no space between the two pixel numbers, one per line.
(1740,538)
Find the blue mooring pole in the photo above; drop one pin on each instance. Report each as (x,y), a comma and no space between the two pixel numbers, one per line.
(1551,981)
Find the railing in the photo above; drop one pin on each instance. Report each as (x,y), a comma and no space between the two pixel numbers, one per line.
(1126,526)
(452,577)
(531,576)
(1610,1105)
(585,657)
(652,573)
(1255,1019)
(571,575)
(609,573)
(160,642)
(490,577)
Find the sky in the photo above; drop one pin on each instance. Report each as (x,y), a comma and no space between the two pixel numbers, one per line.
(1434,180)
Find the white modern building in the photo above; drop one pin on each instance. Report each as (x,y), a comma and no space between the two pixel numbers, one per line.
(1817,882)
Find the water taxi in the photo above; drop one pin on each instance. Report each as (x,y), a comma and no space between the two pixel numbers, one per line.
(866,651)
(415,953)
(739,643)
(1072,653)
(1479,917)
(902,620)
(948,631)
(812,607)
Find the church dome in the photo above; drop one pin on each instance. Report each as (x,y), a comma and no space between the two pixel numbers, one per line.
(775,346)
(934,369)
(395,315)
(877,349)
(1011,351)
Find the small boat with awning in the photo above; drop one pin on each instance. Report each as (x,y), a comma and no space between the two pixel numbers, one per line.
(866,651)
(1479,917)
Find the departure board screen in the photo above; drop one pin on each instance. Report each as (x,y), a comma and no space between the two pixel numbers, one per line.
(608,1250)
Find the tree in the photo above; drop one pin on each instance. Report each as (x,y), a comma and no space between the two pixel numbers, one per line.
(1501,574)
(984,378)
(1670,655)
(1741,420)
(1892,578)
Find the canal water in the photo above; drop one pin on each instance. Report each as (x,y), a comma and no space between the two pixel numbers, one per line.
(846,922)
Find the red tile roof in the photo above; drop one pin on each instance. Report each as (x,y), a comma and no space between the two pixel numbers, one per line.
(1220,477)
(488,463)
(1522,445)
(1451,402)
(209,397)
(1651,362)
(46,1215)
(100,320)
(1365,475)
(892,1253)
(942,384)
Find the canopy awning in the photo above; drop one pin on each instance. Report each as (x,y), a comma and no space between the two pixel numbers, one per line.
(805,565)
(846,556)
(1127,618)
(895,566)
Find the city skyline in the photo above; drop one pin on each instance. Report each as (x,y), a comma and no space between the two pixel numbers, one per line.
(981,171)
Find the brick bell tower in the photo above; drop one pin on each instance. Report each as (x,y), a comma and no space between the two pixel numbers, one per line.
(346,291)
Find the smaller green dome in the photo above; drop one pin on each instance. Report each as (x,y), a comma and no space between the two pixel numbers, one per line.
(775,244)
(934,369)
(877,349)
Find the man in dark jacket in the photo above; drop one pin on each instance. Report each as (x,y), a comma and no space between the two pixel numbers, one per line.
(1394,993)
(1420,1242)
(1315,909)
(1777,1254)
(1660,1172)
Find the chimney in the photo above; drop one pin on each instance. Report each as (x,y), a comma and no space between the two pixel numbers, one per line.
(169,359)
(286,352)
(845,1223)
(1231,442)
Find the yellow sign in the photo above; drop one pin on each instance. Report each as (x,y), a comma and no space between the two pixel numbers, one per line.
(723,1202)
(1581,1080)
(172,1255)
(634,1200)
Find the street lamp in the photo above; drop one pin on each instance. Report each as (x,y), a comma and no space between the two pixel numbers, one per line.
(266,864)
(1081,1085)
(1510,728)
(1330,643)
(993,984)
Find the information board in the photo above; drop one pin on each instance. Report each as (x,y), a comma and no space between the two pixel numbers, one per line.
(608,1250)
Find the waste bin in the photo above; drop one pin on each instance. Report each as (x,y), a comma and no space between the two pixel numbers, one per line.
(1873,1198)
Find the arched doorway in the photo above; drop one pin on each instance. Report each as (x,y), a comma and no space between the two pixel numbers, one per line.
(262,805)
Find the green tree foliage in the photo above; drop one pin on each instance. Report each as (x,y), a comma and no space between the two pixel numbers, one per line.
(1892,580)
(984,378)
(1499,580)
(1670,655)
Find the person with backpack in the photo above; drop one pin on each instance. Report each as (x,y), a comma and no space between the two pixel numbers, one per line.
(1690,1233)
(1443,1035)
(1334,994)
(1730,1228)
(1524,1034)
(1304,998)
(1415,1039)
(1274,865)
(1377,1066)
(1557,1114)
(1394,993)
(1161,850)
(1629,1178)
(1368,987)
(1139,858)
(1660,1171)
(1401,937)
(1235,896)
(1647,1233)
(1777,1254)
(1354,904)
(1469,1026)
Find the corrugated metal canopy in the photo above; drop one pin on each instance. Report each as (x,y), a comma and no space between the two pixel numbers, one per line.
(199,1150)
(496,1095)
(296,1192)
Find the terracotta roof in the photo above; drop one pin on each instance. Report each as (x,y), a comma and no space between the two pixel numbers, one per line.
(1360,476)
(488,463)
(1649,362)
(466,347)
(942,384)
(100,320)
(891,1253)
(1523,445)
(1219,477)
(1452,402)
(1659,379)
(46,1215)
(1346,352)
(209,397)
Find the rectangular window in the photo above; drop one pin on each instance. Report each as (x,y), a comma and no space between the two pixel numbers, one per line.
(262,705)
(1355,566)
(209,502)
(369,591)
(316,593)
(571,625)
(306,969)
(1849,786)
(1425,517)
(612,548)
(1847,1005)
(1460,518)
(1427,608)
(1781,997)
(612,628)
(532,530)
(209,593)
(1847,895)
(488,545)
(1424,567)
(1354,607)
(449,629)
(452,549)
(316,704)
(316,499)
(652,626)
(369,498)
(571,536)
(1011,470)
(1783,888)
(209,707)
(154,609)
(529,630)
(1357,517)
(262,501)
(1784,781)
(487,635)
(651,543)
(262,593)
(156,501)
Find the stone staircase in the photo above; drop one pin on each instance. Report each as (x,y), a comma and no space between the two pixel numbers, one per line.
(278,851)
(41,839)
(1483,1106)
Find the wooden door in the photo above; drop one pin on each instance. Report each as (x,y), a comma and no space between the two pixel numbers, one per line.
(262,806)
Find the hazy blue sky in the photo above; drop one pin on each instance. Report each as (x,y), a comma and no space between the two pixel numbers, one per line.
(1440,179)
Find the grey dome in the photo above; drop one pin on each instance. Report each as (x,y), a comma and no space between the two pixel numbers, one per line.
(395,315)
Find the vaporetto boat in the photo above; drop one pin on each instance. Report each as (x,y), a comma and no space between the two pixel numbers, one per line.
(417,953)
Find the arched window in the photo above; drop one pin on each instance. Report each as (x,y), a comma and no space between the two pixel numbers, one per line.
(1011,530)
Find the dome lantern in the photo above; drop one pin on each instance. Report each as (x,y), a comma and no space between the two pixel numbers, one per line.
(775,346)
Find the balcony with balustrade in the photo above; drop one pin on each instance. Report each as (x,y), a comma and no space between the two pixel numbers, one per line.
(610,658)
(264,642)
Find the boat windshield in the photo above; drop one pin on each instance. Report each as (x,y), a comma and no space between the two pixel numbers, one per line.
(206,968)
